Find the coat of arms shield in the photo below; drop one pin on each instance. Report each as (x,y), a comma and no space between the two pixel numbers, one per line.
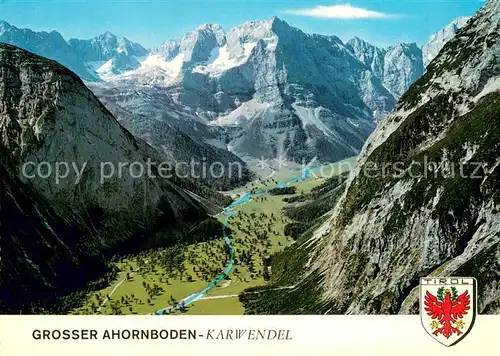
(448,307)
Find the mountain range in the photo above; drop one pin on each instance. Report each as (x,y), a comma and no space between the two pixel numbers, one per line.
(260,91)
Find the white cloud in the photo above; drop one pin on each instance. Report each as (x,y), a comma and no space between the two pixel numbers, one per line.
(345,11)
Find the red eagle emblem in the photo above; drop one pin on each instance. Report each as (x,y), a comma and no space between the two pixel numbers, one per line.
(447,309)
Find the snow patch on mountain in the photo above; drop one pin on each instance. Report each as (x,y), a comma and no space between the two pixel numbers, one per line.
(261,83)
(311,117)
(153,70)
(491,86)
(222,59)
(241,115)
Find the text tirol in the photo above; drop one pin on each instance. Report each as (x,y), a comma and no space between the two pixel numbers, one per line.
(445,281)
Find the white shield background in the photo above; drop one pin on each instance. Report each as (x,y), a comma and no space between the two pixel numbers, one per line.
(465,283)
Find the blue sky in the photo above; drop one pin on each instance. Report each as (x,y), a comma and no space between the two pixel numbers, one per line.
(151,22)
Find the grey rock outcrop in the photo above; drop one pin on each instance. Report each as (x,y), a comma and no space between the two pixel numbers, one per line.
(397,67)
(47,44)
(108,54)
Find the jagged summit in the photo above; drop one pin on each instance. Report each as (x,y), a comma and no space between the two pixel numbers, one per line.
(397,66)
(51,45)
(108,34)
(210,27)
(403,45)
(266,71)
(358,42)
(107,54)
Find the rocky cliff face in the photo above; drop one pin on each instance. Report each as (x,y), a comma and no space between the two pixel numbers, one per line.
(368,54)
(431,207)
(51,227)
(177,133)
(40,250)
(439,39)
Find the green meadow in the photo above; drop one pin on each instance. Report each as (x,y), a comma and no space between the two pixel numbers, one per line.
(153,280)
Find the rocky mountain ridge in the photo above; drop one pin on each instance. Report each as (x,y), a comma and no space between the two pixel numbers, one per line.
(392,229)
(437,41)
(397,66)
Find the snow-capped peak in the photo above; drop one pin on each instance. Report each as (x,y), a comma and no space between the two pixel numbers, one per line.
(253,31)
(108,34)
(4,26)
(198,45)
